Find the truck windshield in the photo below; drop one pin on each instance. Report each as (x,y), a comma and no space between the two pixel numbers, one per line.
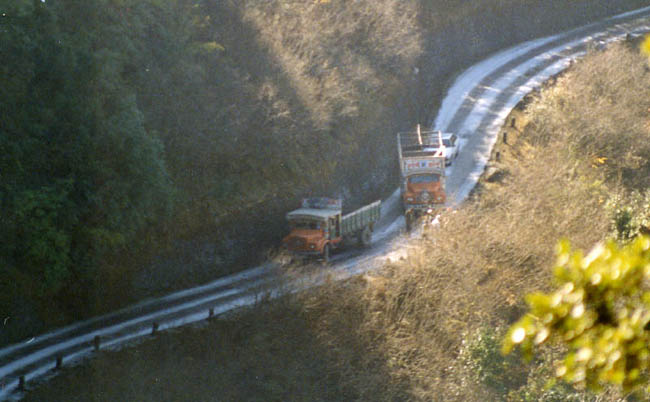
(424,178)
(305,224)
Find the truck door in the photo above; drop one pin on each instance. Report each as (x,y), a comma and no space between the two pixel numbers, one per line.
(334,227)
(337,221)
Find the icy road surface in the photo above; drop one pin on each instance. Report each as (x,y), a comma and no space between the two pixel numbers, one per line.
(475,107)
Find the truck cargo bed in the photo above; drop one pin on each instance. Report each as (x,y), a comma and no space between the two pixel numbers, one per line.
(361,218)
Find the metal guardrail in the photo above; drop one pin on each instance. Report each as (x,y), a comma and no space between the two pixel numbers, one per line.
(23,362)
(28,360)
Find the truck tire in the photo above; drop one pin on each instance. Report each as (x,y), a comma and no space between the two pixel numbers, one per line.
(365,237)
(409,222)
(326,254)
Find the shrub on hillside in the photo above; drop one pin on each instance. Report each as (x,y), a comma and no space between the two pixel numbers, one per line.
(600,310)
(599,109)
(630,214)
(480,354)
(507,375)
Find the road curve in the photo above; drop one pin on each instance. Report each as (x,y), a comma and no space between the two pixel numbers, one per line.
(475,107)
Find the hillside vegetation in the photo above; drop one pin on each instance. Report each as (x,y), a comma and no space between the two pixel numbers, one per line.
(428,327)
(152,145)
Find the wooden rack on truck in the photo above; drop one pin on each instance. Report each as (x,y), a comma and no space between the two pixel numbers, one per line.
(422,164)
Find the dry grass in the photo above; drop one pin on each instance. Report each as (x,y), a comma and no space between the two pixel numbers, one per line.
(334,55)
(396,336)
(304,97)
(228,360)
(602,110)
(473,271)
(470,272)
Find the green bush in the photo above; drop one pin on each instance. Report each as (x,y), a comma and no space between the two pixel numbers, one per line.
(541,387)
(481,355)
(600,312)
(629,214)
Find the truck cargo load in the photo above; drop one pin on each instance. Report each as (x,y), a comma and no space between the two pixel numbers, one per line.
(422,166)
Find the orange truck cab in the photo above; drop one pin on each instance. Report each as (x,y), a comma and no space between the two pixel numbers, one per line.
(422,164)
(318,227)
(423,190)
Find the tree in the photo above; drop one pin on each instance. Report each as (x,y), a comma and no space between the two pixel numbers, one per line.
(79,173)
(600,312)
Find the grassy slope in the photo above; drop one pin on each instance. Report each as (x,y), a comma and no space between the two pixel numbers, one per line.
(288,99)
(297,99)
(313,96)
(397,336)
(294,98)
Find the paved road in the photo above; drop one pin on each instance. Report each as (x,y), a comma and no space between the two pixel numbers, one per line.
(475,107)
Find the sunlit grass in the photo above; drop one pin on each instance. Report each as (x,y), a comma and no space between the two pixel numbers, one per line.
(397,335)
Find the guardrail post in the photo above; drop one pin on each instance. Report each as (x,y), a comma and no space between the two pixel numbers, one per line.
(59,362)
(96,342)
(21,383)
(154,328)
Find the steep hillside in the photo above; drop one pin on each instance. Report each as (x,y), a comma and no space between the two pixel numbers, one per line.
(152,145)
(428,327)
(312,96)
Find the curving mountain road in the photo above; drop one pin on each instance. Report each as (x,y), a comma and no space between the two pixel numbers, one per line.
(475,107)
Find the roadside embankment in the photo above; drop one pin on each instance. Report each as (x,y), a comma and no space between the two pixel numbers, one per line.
(412,331)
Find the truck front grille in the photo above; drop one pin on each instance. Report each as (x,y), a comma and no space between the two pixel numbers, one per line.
(424,196)
(296,243)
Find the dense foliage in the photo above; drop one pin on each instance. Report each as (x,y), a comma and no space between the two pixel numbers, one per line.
(600,311)
(600,307)
(81,175)
(127,125)
(393,337)
(149,145)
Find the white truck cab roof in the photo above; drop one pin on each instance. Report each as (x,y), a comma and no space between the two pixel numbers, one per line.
(311,213)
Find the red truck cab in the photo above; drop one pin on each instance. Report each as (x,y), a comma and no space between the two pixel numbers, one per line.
(424,189)
(422,163)
(315,228)
(318,227)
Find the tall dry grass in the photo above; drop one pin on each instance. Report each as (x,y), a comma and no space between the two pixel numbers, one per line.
(474,269)
(602,109)
(396,336)
(470,272)
(335,54)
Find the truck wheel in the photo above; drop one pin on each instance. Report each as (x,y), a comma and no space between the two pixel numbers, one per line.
(326,254)
(365,237)
(409,222)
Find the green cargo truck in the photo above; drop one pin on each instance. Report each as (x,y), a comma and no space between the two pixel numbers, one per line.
(318,227)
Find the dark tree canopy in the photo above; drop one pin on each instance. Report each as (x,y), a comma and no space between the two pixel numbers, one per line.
(80,174)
